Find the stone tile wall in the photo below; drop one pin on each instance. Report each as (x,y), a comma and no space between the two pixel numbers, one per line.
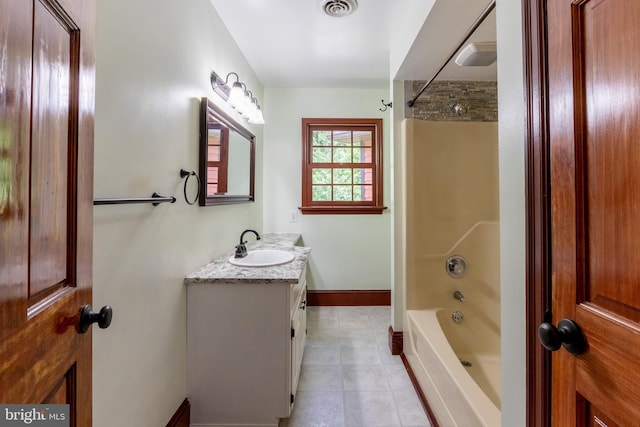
(478,99)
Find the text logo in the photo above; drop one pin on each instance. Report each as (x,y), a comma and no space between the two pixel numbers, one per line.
(34,415)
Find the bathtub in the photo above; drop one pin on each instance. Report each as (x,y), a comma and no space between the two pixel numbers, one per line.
(435,346)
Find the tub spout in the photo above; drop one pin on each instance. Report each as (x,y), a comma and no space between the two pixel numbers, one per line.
(458,295)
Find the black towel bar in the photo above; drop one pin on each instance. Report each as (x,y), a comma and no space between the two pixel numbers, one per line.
(155,200)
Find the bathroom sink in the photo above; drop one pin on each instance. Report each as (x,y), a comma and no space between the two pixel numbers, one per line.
(263,258)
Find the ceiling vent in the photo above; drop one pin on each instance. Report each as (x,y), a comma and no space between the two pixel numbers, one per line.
(338,8)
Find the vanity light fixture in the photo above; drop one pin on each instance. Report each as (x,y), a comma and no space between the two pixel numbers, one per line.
(238,97)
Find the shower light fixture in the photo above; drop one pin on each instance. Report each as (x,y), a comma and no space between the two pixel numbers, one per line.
(238,97)
(477,54)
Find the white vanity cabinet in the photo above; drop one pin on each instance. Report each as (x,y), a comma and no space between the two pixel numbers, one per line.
(298,334)
(245,343)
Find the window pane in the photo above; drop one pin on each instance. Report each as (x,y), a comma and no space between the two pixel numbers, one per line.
(342,138)
(321,193)
(321,137)
(342,193)
(342,176)
(214,136)
(321,155)
(363,176)
(214,153)
(362,138)
(212,181)
(363,193)
(212,174)
(321,176)
(340,169)
(362,155)
(342,155)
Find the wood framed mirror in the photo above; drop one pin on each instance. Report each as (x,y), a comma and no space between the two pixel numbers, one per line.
(227,158)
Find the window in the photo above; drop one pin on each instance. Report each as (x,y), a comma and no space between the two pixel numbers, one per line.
(217,152)
(342,166)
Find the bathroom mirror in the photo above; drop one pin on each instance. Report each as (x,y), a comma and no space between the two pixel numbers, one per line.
(227,158)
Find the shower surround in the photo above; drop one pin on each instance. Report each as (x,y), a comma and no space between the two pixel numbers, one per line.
(450,191)
(480,98)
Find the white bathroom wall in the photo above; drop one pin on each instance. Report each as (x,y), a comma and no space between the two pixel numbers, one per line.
(409,21)
(347,251)
(511,154)
(399,95)
(423,40)
(154,58)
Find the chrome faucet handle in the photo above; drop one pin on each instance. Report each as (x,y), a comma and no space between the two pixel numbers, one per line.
(241,251)
(458,295)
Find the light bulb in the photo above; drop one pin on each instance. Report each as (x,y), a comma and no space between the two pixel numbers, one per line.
(252,110)
(246,101)
(236,95)
(258,119)
(243,104)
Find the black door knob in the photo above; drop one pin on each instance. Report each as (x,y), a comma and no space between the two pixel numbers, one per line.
(87,317)
(568,334)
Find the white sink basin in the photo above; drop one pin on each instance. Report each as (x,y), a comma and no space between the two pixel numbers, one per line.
(263,258)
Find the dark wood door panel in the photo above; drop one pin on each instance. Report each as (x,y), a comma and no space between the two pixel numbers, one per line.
(607,374)
(50,152)
(46,193)
(596,418)
(610,66)
(594,117)
(15,104)
(30,373)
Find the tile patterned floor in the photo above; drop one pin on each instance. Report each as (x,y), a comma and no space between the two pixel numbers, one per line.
(349,377)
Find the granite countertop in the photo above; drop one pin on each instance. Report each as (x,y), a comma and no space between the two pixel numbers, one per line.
(220,270)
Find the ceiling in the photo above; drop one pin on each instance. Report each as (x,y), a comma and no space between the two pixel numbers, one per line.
(292,43)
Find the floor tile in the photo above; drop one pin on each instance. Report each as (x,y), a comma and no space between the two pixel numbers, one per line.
(324,336)
(353,310)
(322,317)
(379,310)
(370,409)
(387,358)
(364,378)
(409,408)
(349,378)
(354,321)
(382,336)
(398,378)
(357,336)
(364,354)
(380,317)
(321,355)
(317,409)
(353,317)
(320,378)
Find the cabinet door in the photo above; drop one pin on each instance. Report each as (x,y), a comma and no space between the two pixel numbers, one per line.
(299,326)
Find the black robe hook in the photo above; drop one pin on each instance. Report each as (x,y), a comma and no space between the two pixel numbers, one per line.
(385,105)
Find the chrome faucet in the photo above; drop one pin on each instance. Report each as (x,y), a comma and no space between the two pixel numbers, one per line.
(241,249)
(458,295)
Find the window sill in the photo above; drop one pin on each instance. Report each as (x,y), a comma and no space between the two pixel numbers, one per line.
(342,210)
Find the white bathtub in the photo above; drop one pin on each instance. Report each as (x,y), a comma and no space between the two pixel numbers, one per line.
(434,347)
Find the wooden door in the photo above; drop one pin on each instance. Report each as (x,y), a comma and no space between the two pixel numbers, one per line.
(594,134)
(46,201)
